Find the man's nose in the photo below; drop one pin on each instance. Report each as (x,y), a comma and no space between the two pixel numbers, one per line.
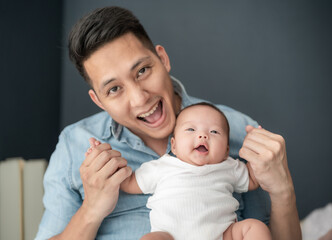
(137,96)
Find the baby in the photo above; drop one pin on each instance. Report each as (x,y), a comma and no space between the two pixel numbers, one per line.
(192,193)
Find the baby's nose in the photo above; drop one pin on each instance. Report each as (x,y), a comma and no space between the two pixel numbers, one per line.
(202,136)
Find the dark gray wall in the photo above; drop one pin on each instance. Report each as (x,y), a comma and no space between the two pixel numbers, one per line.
(30,41)
(269,59)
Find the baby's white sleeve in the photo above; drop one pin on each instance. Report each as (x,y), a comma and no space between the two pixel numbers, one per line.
(147,176)
(241,177)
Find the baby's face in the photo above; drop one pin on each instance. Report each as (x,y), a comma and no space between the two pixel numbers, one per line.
(200,136)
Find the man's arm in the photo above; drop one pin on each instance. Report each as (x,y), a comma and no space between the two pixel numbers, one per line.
(83,225)
(284,221)
(266,153)
(102,172)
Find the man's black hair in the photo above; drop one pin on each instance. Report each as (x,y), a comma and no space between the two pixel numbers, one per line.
(100,27)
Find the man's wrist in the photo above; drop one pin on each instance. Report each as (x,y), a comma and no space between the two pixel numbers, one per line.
(284,198)
(83,225)
(90,216)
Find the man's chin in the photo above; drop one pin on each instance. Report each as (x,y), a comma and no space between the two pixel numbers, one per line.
(160,134)
(146,131)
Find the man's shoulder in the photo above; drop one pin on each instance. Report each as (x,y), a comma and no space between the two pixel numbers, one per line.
(230,112)
(235,116)
(95,124)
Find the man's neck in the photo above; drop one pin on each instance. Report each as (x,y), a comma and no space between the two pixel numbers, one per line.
(157,145)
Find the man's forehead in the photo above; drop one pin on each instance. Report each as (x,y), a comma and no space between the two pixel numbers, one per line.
(107,64)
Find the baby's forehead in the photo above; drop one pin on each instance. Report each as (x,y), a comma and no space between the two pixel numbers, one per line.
(192,113)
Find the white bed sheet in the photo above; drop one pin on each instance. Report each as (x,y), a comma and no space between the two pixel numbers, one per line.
(317,224)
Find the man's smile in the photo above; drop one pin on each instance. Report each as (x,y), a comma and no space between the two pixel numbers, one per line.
(153,115)
(150,112)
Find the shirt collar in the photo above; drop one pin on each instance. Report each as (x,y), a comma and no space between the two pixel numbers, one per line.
(115,128)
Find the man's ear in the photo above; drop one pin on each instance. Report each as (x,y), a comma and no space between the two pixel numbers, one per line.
(173,145)
(95,99)
(163,57)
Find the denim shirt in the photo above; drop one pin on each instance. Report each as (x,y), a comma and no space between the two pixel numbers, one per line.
(130,219)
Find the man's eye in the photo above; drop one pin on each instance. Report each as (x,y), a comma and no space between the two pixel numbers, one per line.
(190,129)
(114,89)
(214,131)
(141,71)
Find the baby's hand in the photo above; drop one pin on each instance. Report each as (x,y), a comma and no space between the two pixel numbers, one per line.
(93,143)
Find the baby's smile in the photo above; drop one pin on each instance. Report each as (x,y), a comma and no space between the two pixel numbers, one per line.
(202,149)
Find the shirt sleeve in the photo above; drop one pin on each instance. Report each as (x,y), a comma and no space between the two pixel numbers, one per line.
(241,177)
(257,204)
(147,176)
(61,200)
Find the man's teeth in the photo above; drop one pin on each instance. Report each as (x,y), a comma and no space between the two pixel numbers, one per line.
(149,113)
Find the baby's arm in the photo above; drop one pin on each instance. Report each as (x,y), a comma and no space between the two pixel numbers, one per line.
(253,184)
(129,185)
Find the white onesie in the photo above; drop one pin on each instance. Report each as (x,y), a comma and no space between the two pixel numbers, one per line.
(192,202)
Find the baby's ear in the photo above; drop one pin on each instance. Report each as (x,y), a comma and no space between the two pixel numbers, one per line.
(227,153)
(173,145)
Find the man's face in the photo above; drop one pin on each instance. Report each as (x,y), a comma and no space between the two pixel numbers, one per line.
(133,85)
(200,136)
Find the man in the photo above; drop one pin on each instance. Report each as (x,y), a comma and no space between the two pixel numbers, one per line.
(130,80)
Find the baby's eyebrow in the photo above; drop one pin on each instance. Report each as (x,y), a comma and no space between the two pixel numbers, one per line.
(186,123)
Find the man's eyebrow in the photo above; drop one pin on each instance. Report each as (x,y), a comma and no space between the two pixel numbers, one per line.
(106,83)
(139,61)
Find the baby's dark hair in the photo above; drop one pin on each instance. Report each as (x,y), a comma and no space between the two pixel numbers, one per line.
(213,107)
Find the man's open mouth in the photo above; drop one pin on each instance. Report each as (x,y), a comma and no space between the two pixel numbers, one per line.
(202,149)
(153,115)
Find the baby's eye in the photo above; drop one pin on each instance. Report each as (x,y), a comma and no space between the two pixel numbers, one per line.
(214,132)
(190,129)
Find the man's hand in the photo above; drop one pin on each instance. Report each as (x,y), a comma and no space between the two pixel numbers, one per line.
(102,172)
(266,153)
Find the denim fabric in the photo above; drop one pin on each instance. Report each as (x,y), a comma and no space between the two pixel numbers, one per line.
(130,219)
